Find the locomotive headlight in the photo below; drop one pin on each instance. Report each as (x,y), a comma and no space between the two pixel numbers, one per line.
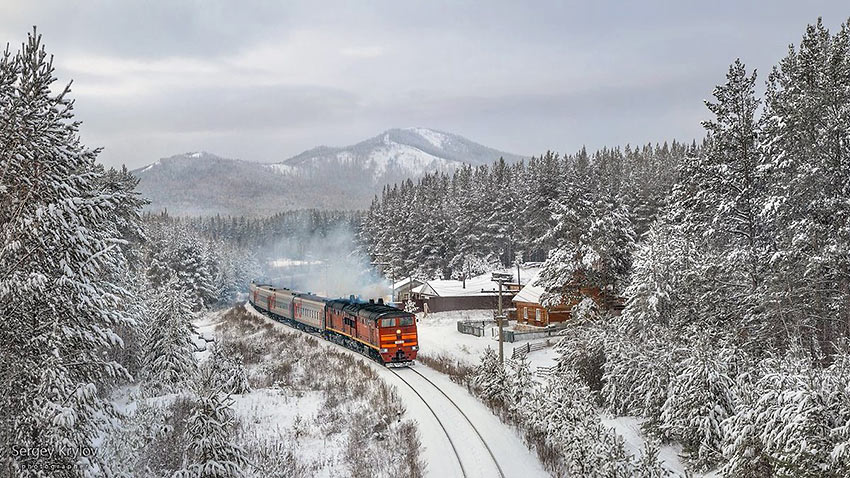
(414,348)
(383,351)
(398,331)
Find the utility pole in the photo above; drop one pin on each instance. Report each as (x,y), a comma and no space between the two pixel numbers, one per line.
(501,278)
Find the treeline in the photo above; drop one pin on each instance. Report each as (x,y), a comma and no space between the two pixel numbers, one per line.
(94,298)
(734,340)
(735,267)
(482,217)
(266,231)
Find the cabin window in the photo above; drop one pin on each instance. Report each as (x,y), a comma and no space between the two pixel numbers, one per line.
(405,321)
(537,315)
(525,313)
(387,322)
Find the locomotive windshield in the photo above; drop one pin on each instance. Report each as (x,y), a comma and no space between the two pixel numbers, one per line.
(405,321)
(387,322)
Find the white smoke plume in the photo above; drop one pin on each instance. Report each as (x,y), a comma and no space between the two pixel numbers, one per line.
(326,264)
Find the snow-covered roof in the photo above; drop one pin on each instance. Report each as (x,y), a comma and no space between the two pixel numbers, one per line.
(418,289)
(403,283)
(475,286)
(530,293)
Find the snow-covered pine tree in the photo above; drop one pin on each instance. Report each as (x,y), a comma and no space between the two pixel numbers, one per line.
(806,148)
(699,398)
(60,249)
(594,242)
(224,371)
(490,379)
(169,358)
(211,452)
(522,387)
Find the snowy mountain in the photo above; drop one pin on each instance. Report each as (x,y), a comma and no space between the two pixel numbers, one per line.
(201,183)
(408,152)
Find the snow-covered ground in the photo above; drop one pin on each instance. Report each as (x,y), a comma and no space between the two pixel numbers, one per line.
(512,454)
(438,335)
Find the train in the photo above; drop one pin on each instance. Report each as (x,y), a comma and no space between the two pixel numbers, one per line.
(375,329)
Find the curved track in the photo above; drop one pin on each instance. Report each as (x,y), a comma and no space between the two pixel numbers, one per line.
(477,465)
(443,426)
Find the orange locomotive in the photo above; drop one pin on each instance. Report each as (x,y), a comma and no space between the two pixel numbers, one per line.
(385,333)
(377,330)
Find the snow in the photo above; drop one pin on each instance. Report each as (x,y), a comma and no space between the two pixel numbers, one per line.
(669,454)
(530,293)
(282,168)
(403,283)
(406,157)
(475,286)
(438,335)
(514,457)
(287,262)
(151,166)
(434,137)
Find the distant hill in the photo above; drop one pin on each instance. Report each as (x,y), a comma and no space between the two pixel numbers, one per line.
(202,183)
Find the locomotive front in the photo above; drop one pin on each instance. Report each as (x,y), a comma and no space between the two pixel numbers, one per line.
(398,339)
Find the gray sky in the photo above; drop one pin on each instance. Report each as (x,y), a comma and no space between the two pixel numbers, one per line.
(266,80)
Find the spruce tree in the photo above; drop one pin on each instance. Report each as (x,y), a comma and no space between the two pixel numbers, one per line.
(169,358)
(60,254)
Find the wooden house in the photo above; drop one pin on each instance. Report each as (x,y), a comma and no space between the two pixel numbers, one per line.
(529,309)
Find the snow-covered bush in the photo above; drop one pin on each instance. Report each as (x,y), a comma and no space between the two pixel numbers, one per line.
(410,306)
(490,379)
(521,385)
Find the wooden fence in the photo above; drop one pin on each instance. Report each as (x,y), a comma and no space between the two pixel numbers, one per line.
(474,327)
(514,336)
(544,372)
(523,350)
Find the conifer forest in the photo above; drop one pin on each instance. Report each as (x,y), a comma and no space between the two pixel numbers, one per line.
(132,343)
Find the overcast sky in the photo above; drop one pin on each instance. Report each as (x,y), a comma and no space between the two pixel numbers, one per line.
(266,80)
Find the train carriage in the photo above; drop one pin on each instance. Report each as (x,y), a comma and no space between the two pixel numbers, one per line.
(384,333)
(277,302)
(309,311)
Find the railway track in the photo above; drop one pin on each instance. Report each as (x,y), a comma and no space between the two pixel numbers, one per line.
(464,469)
(442,416)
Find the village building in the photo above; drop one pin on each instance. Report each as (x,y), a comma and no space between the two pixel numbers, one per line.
(530,310)
(403,288)
(479,292)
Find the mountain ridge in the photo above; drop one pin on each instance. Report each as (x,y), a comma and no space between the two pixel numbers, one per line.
(203,183)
